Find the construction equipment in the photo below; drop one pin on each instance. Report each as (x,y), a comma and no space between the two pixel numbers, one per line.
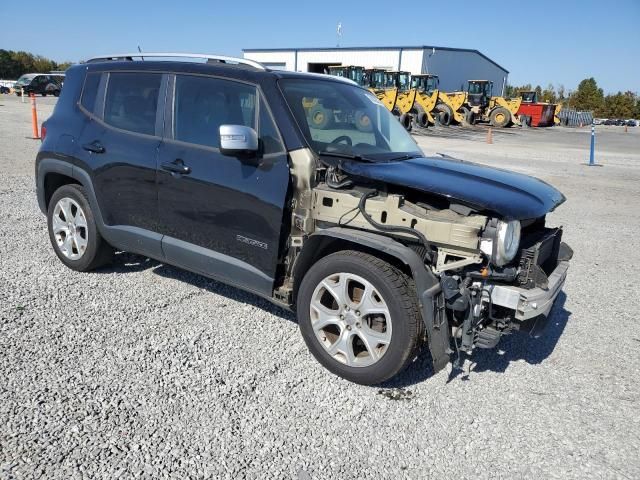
(405,96)
(556,114)
(533,113)
(383,86)
(480,105)
(353,73)
(431,105)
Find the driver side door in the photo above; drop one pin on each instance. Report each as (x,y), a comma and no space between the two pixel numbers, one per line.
(220,215)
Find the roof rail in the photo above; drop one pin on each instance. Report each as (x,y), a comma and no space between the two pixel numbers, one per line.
(209,58)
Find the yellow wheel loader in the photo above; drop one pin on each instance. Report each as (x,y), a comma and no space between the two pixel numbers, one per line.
(480,106)
(433,106)
(405,96)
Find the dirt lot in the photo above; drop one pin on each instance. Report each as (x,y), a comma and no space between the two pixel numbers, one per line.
(143,370)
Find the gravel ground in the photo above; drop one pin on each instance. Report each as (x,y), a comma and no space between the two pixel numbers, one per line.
(143,370)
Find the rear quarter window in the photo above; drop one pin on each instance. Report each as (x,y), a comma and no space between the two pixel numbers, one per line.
(90,91)
(132,100)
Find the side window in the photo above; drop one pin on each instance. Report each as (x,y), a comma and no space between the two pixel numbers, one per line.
(202,104)
(269,135)
(90,90)
(132,100)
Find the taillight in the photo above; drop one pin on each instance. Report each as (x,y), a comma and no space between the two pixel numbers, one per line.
(43,132)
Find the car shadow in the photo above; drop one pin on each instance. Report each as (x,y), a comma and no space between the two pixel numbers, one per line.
(514,347)
(219,288)
(511,348)
(124,262)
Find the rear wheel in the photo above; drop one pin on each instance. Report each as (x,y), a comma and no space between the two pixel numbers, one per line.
(469,116)
(359,316)
(422,119)
(445,114)
(406,120)
(500,117)
(320,117)
(73,231)
(362,121)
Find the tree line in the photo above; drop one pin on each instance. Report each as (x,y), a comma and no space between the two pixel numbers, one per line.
(588,97)
(15,64)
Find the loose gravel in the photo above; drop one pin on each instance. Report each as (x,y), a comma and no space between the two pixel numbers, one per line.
(141,370)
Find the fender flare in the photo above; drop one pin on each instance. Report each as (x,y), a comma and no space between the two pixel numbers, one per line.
(427,284)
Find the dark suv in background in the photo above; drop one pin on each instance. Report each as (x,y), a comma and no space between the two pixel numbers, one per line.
(39,84)
(219,168)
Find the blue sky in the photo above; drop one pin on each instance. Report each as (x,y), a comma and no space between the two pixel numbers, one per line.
(538,42)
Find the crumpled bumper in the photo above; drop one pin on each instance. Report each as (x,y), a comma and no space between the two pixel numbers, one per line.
(531,307)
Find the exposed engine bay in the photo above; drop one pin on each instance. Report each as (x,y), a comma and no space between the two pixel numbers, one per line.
(496,275)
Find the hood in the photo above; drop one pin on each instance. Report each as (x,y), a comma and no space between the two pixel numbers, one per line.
(512,196)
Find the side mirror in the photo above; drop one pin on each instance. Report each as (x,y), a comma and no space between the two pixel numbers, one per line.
(238,140)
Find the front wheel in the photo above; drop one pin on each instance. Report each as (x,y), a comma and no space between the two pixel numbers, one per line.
(359,316)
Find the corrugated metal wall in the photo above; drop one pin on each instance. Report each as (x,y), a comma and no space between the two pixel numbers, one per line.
(454,67)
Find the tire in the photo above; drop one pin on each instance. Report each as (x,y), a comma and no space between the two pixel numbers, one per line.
(320,117)
(445,114)
(422,120)
(96,252)
(500,117)
(56,93)
(362,121)
(469,116)
(43,94)
(402,327)
(406,120)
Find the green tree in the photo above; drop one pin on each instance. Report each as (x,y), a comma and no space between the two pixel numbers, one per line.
(549,94)
(588,97)
(14,64)
(619,105)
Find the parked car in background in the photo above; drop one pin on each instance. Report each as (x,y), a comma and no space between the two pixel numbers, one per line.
(599,121)
(4,89)
(39,84)
(631,123)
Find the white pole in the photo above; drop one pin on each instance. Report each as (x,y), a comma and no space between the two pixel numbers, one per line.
(22,96)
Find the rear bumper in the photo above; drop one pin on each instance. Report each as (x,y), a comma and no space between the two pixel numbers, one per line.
(531,307)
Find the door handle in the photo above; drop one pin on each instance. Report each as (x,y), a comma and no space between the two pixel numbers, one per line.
(177,166)
(94,147)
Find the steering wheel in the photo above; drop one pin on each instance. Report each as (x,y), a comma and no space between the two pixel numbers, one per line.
(342,138)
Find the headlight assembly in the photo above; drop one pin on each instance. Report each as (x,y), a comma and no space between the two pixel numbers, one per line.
(507,241)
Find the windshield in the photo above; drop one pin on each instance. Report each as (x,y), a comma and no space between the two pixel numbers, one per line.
(343,119)
(25,79)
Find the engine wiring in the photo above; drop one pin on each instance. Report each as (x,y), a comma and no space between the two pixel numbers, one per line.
(393,229)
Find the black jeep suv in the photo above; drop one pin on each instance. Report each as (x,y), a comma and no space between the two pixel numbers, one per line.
(222,168)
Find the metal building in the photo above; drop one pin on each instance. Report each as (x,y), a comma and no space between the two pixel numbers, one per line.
(454,66)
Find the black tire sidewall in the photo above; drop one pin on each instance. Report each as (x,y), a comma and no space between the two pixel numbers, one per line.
(76,192)
(401,338)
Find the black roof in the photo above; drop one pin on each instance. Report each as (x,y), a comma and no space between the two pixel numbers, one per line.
(346,49)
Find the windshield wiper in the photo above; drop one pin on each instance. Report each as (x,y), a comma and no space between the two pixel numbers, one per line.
(349,156)
(406,156)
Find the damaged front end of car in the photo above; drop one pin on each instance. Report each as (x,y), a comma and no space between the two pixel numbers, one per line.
(491,265)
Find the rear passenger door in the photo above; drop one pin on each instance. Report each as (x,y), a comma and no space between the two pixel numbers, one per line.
(119,147)
(222,215)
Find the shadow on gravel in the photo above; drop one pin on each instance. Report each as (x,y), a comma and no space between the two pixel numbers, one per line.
(124,262)
(232,293)
(520,346)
